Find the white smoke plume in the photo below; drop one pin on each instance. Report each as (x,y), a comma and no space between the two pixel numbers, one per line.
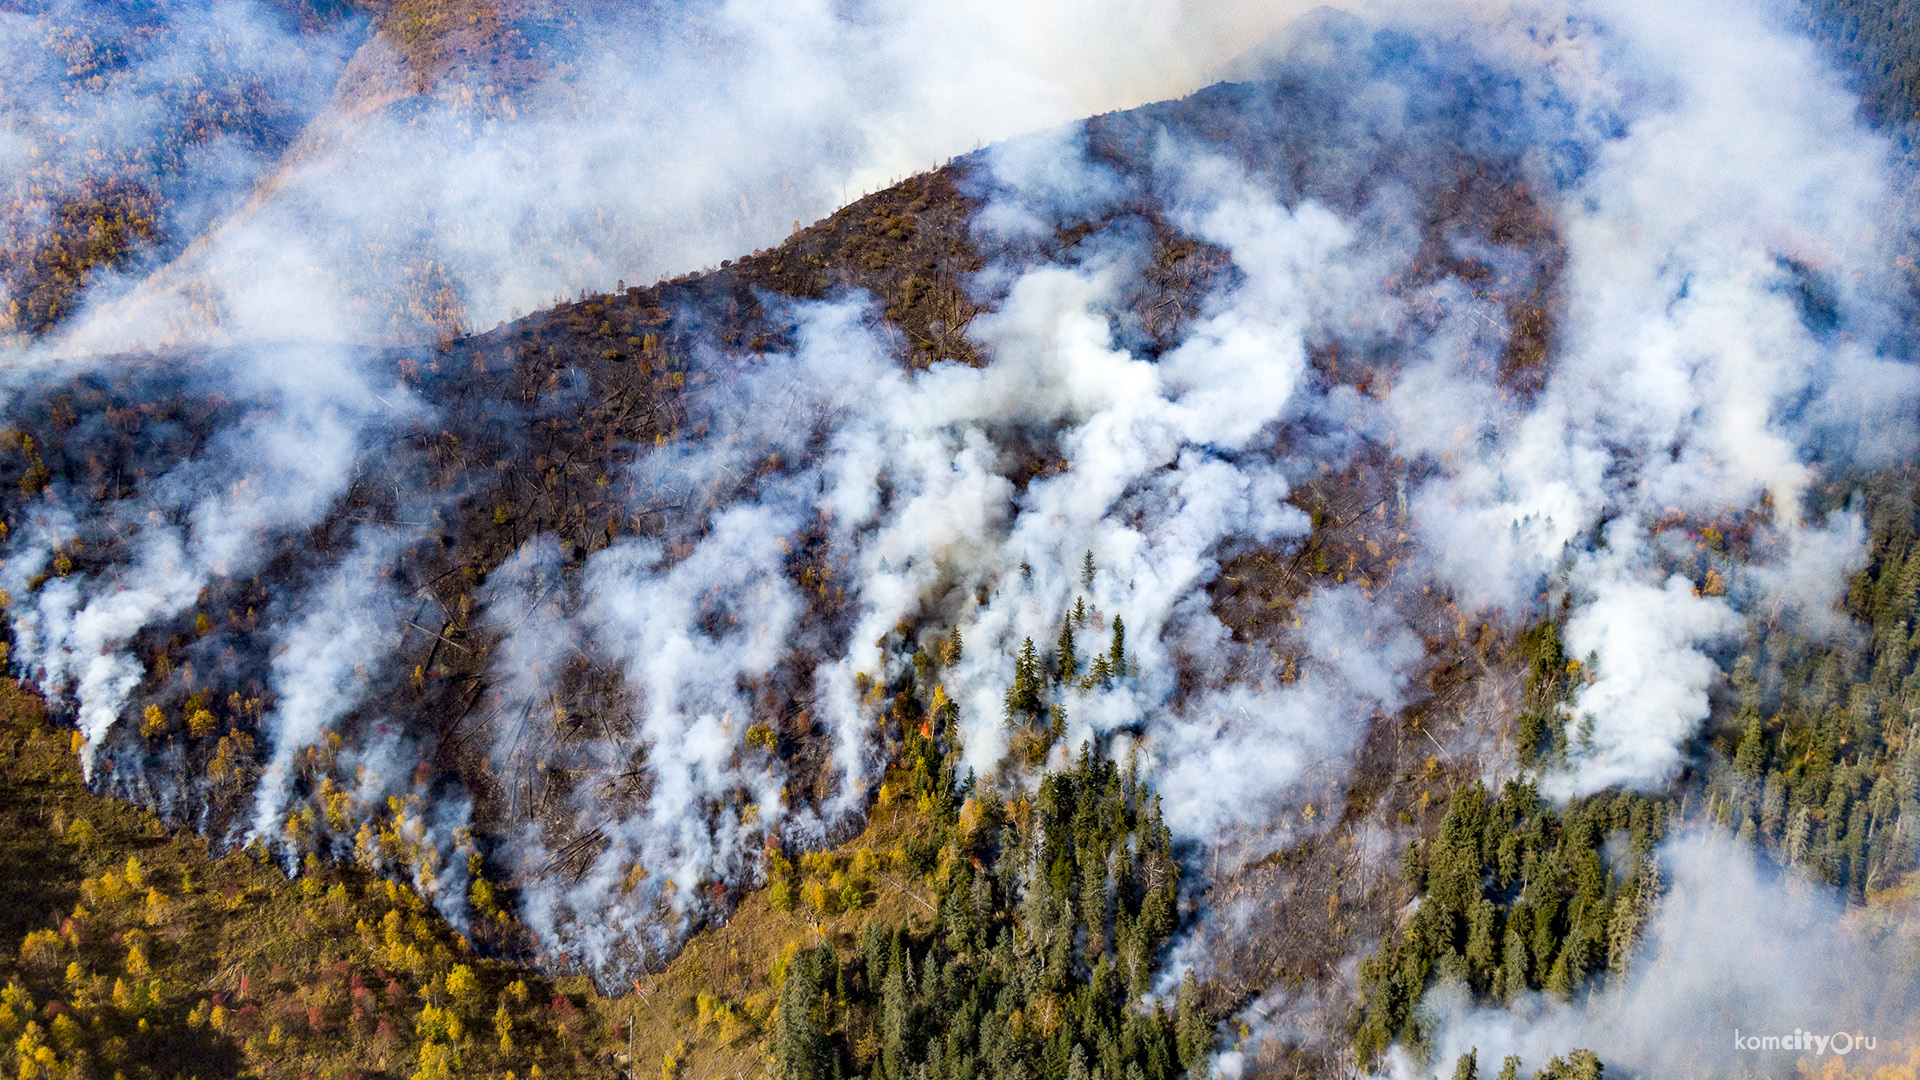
(1730,306)
(282,466)
(1738,948)
(1250,758)
(323,666)
(1727,333)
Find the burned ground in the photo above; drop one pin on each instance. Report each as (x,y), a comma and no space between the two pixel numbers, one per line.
(531,428)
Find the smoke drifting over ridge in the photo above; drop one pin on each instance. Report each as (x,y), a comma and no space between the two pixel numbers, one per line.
(1694,374)
(1705,229)
(644,143)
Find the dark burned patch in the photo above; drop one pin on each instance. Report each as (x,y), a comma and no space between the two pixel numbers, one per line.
(1368,369)
(533,427)
(1357,536)
(907,246)
(1291,920)
(1177,274)
(1491,204)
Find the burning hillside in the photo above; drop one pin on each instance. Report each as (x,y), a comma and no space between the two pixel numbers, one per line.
(1365,552)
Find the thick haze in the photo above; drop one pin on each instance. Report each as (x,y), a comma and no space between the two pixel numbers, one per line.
(1731,324)
(667,142)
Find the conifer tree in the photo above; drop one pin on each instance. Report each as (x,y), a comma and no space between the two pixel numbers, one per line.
(1193,1031)
(1023,697)
(1077,1063)
(1065,663)
(799,1043)
(893,1016)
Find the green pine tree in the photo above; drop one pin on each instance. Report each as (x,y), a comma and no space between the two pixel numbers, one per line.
(1193,1029)
(1065,663)
(800,1048)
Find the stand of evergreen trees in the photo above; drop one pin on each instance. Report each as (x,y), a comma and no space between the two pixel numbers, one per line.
(1821,761)
(1814,758)
(1518,897)
(1052,911)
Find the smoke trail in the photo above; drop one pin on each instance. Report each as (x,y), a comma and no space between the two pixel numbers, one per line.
(398,219)
(1735,946)
(323,665)
(279,466)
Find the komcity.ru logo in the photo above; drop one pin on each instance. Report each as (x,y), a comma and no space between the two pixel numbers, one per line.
(1840,1042)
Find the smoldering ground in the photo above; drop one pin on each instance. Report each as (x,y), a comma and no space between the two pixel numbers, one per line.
(1539,392)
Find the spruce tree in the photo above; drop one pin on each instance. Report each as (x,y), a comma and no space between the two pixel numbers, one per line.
(1077,1063)
(1513,965)
(1055,1059)
(894,1016)
(800,1047)
(1193,1030)
(1023,697)
(1064,660)
(1481,922)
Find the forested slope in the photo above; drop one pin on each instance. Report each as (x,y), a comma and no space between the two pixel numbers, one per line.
(957,925)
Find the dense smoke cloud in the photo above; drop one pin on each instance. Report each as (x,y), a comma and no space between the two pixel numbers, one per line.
(1737,946)
(1729,314)
(1724,323)
(1158,468)
(650,147)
